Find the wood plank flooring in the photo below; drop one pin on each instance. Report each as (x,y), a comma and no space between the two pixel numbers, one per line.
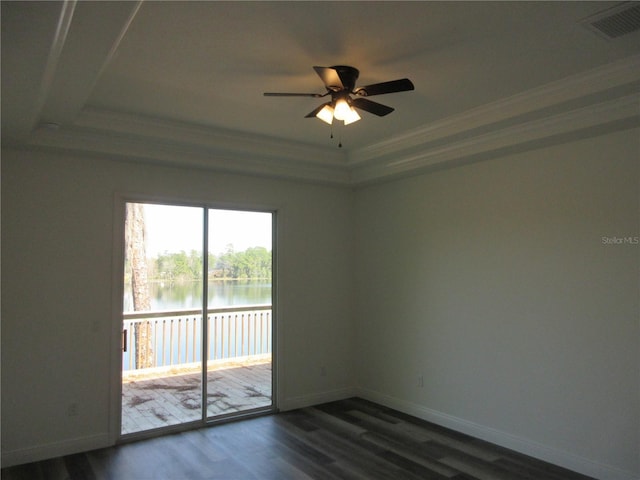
(349,439)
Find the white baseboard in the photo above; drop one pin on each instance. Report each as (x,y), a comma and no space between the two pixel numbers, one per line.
(51,450)
(528,447)
(315,398)
(83,444)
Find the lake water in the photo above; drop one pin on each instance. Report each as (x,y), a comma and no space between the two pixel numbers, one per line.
(222,293)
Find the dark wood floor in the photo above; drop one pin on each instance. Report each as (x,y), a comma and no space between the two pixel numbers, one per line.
(349,439)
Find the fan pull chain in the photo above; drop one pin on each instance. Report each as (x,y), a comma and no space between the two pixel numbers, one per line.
(339,136)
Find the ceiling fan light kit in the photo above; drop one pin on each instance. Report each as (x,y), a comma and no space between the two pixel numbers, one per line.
(351,116)
(326,114)
(340,81)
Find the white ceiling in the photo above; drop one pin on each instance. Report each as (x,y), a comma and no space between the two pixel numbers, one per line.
(118,78)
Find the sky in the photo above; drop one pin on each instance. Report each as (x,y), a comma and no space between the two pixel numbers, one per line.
(173,229)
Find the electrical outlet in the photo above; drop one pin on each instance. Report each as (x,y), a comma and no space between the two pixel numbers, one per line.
(420,381)
(72,410)
(323,371)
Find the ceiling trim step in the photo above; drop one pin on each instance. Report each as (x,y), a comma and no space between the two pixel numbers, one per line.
(490,128)
(125,147)
(601,79)
(621,111)
(207,138)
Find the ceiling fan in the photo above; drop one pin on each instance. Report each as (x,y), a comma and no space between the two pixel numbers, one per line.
(340,81)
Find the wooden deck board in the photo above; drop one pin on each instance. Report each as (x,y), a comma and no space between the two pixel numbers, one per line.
(164,399)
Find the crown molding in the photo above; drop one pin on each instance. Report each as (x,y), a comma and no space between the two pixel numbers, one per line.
(101,25)
(207,138)
(623,111)
(139,139)
(35,64)
(593,82)
(600,100)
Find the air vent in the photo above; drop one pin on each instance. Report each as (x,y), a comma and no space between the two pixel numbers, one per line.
(615,22)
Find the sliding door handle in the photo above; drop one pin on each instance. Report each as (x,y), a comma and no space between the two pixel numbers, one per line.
(124,340)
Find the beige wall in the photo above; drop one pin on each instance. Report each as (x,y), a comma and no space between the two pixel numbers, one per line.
(57,316)
(493,283)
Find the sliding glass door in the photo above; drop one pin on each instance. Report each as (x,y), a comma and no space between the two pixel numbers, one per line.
(239,320)
(176,367)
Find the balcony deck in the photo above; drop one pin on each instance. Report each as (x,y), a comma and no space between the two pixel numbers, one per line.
(161,399)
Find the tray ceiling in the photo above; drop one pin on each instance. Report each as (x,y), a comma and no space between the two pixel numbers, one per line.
(121,78)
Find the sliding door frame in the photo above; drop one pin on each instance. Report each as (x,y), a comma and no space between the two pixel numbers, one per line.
(118,249)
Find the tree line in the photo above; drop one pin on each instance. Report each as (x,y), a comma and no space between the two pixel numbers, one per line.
(254,262)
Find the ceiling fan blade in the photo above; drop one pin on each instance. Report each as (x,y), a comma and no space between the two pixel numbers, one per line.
(330,77)
(316,110)
(371,107)
(393,86)
(278,94)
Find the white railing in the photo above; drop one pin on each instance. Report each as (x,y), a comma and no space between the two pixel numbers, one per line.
(232,332)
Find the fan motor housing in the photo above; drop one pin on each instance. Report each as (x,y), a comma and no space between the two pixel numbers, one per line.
(348,75)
